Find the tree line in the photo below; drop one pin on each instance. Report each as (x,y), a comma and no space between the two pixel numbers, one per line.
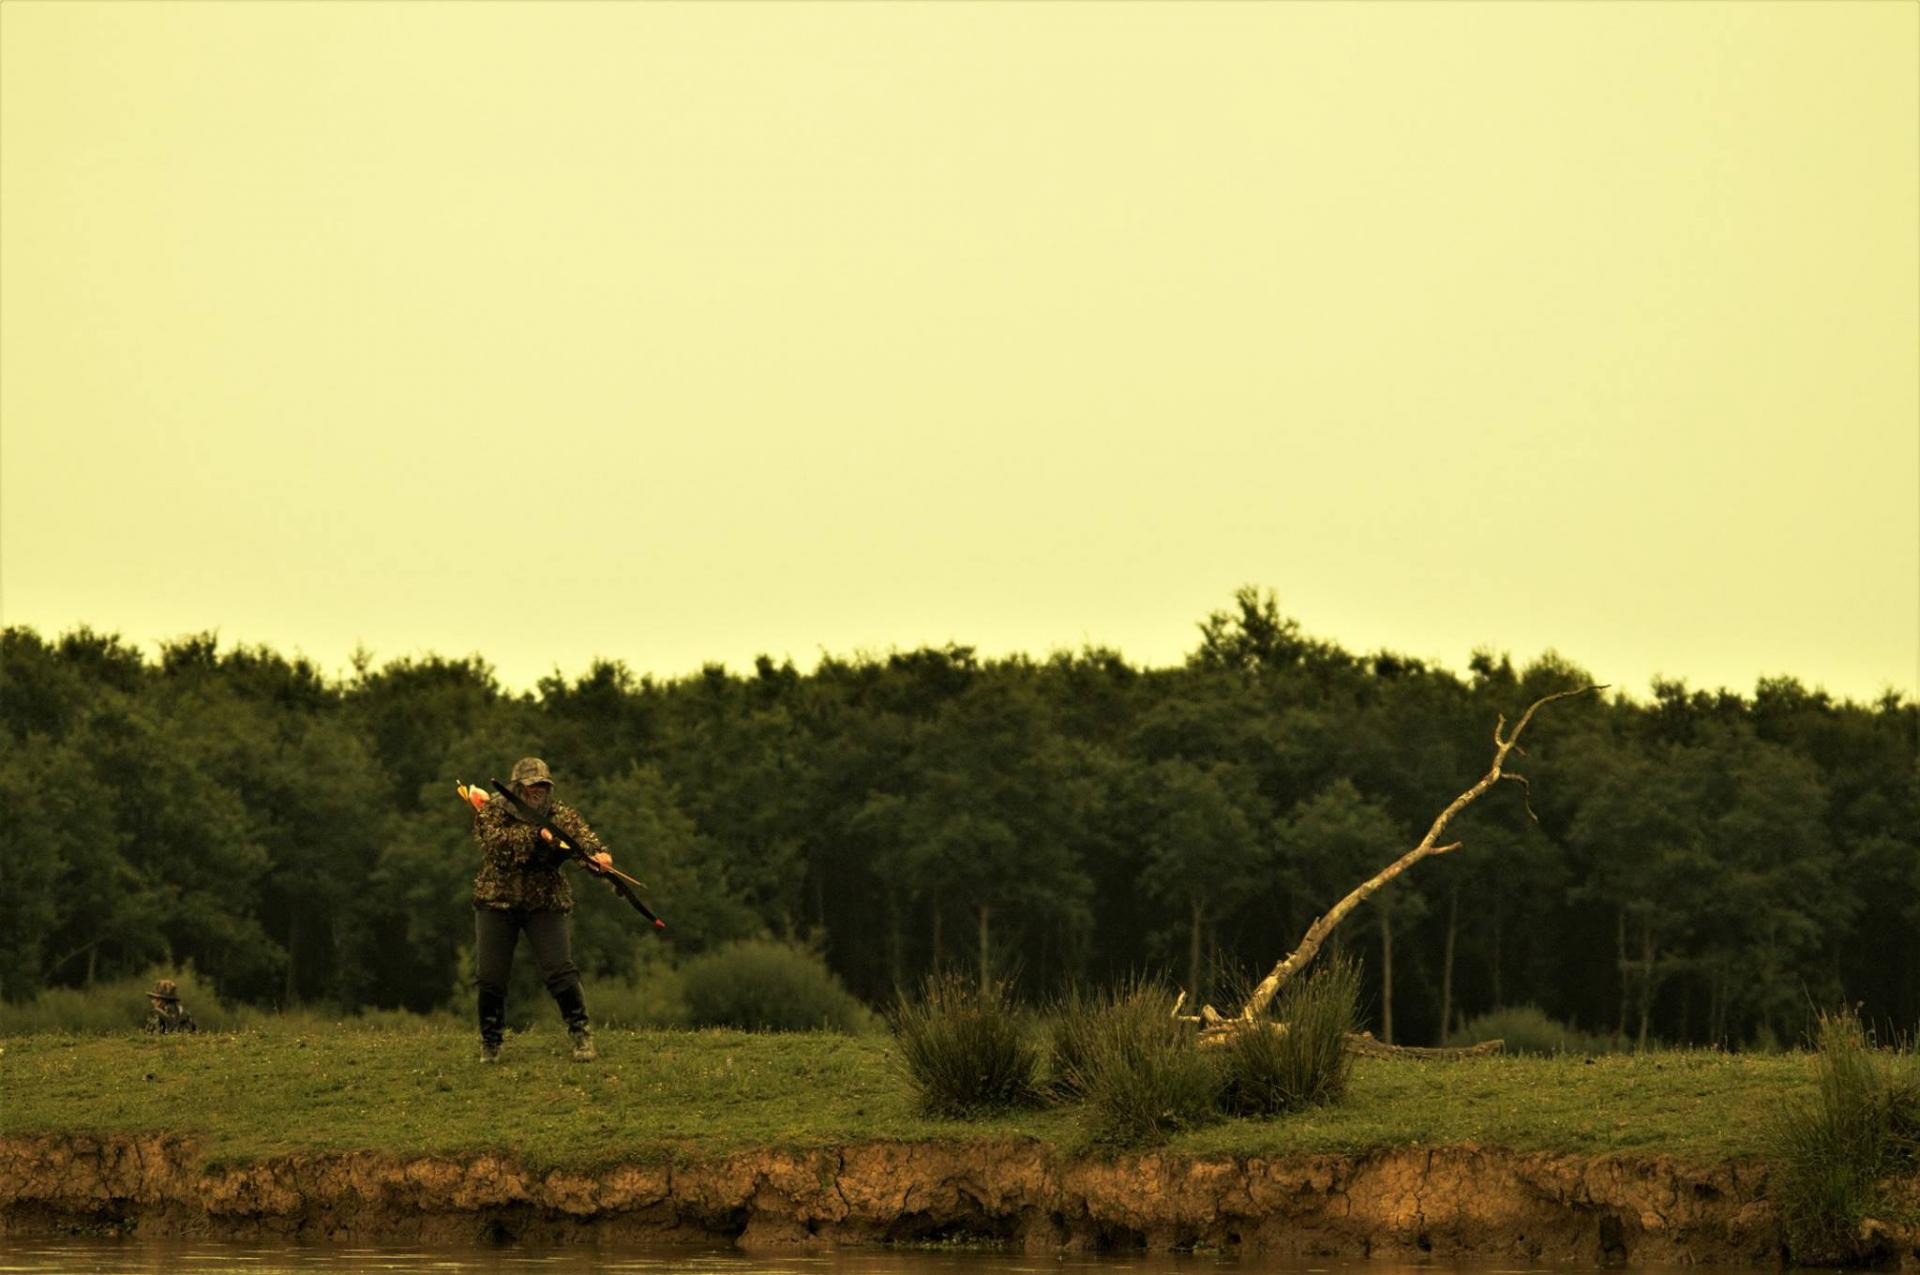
(1700,867)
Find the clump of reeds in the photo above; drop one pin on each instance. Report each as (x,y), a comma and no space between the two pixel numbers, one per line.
(1295,1055)
(964,1048)
(1136,1067)
(1068,1029)
(1834,1153)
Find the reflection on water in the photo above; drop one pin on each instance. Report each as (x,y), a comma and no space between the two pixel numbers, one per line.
(187,1257)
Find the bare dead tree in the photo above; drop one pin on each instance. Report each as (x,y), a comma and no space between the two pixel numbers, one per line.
(1504,743)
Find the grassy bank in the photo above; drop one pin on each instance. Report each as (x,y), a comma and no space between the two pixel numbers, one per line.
(319,1088)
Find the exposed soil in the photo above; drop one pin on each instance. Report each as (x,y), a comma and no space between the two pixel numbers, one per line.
(1463,1201)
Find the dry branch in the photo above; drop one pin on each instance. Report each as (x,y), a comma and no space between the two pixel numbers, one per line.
(1317,932)
(1363,1044)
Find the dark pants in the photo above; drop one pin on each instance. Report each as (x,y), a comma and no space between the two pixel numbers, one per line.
(495,934)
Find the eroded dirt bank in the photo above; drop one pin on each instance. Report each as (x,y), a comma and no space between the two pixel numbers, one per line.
(1446,1202)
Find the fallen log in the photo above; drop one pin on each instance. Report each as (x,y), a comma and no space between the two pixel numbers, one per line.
(1363,1044)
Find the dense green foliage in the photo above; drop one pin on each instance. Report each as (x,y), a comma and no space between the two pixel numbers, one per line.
(1835,1152)
(1705,865)
(964,1049)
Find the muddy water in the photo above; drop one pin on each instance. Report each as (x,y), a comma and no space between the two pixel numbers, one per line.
(179,1257)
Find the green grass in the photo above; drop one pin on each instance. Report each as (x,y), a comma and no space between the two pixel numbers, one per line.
(657,1095)
(1697,1105)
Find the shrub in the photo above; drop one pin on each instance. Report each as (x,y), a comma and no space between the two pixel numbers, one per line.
(1833,1153)
(652,996)
(1142,1076)
(758,985)
(120,1005)
(1527,1029)
(965,1050)
(1296,1055)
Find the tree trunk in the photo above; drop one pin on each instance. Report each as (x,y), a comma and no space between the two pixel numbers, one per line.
(1499,1002)
(1446,966)
(291,995)
(1646,980)
(893,938)
(93,961)
(986,960)
(1193,952)
(939,955)
(1620,963)
(1386,976)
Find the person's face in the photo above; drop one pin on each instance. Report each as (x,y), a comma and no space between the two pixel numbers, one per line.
(537,794)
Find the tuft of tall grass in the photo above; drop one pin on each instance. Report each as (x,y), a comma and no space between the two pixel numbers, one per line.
(964,1049)
(1068,1028)
(1140,1074)
(1296,1055)
(1527,1029)
(760,985)
(1833,1154)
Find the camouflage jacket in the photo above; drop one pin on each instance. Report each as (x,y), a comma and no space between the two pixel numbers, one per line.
(517,869)
(164,1019)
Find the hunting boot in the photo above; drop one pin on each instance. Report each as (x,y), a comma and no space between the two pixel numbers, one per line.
(493,1024)
(573,1008)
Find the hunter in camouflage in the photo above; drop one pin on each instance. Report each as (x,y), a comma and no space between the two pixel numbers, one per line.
(520,889)
(517,868)
(165,1013)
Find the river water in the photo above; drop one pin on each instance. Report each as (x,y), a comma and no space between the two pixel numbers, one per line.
(205,1257)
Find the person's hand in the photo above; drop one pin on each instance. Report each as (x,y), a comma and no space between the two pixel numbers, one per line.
(604,859)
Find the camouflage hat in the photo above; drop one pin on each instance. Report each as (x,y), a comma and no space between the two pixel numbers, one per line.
(164,990)
(531,770)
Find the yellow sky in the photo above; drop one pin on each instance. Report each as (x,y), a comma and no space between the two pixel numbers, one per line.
(683,332)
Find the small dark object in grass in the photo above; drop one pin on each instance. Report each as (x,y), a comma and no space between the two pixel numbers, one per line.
(964,1049)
